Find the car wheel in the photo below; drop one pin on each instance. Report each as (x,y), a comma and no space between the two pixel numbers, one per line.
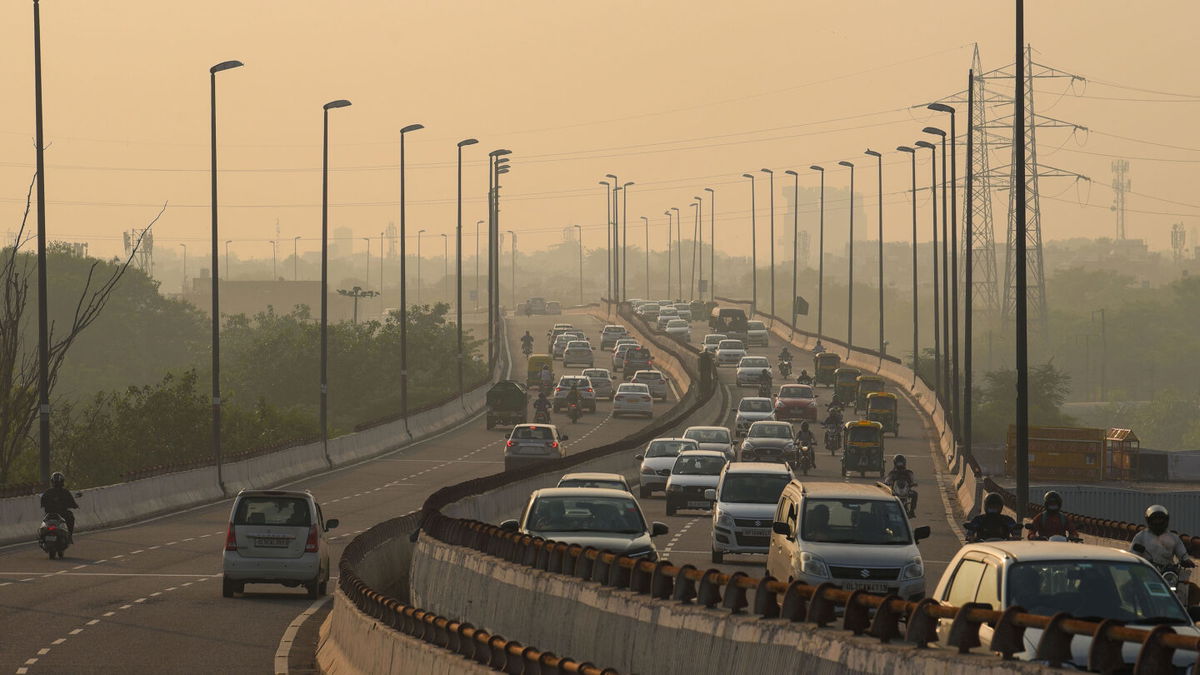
(670,508)
(314,589)
(718,557)
(229,587)
(644,492)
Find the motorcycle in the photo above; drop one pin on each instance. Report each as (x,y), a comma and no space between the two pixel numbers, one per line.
(804,460)
(833,438)
(785,369)
(764,389)
(805,379)
(53,536)
(527,350)
(904,492)
(541,416)
(573,412)
(1170,574)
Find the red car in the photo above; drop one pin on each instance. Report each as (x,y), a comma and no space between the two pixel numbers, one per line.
(796,402)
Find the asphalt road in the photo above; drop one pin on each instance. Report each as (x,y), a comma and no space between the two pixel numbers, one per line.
(147,597)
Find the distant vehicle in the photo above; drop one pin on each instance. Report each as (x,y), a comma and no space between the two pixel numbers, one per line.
(636,359)
(633,399)
(749,370)
(649,311)
(536,305)
(744,505)
(655,381)
(729,352)
(665,315)
(507,404)
(587,395)
(610,520)
(601,381)
(796,402)
(730,321)
(752,409)
(683,310)
(276,537)
(610,334)
(657,460)
(618,358)
(694,474)
(757,334)
(532,444)
(712,438)
(679,329)
(578,352)
(553,307)
(768,441)
(712,341)
(610,481)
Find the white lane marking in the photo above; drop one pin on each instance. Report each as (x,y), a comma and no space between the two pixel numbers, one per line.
(76,631)
(111,574)
(675,539)
(93,622)
(289,635)
(43,651)
(59,641)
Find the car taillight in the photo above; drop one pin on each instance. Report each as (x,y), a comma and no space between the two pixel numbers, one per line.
(310,546)
(588,390)
(557,389)
(231,539)
(554,444)
(52,528)
(511,444)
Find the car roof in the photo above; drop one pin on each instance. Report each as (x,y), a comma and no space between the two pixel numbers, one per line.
(572,342)
(732,340)
(720,335)
(275,493)
(596,371)
(1024,551)
(593,475)
(648,371)
(702,453)
(631,385)
(673,438)
(839,489)
(758,467)
(705,428)
(534,426)
(580,492)
(756,398)
(769,423)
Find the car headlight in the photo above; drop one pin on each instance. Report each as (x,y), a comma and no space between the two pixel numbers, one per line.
(647,470)
(724,520)
(913,570)
(813,566)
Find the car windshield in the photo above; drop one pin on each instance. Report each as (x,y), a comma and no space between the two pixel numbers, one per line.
(755,405)
(754,362)
(578,344)
(855,521)
(608,484)
(594,375)
(645,377)
(770,431)
(285,511)
(669,448)
(755,325)
(585,514)
(730,344)
(863,435)
(614,329)
(704,465)
(796,391)
(713,339)
(638,353)
(1093,590)
(632,388)
(677,323)
(708,435)
(532,434)
(753,488)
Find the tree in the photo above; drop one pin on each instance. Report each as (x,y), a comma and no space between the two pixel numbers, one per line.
(997,402)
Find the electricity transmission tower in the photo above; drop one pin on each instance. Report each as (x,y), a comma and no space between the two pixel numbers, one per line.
(144,257)
(1120,183)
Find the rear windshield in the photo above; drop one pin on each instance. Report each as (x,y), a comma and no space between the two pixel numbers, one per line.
(698,466)
(533,434)
(578,344)
(759,405)
(796,391)
(676,323)
(288,511)
(637,353)
(592,483)
(647,376)
(730,344)
(597,375)
(756,325)
(771,431)
(713,339)
(669,448)
(633,387)
(754,362)
(708,435)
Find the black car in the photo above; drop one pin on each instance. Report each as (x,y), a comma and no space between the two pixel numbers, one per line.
(637,358)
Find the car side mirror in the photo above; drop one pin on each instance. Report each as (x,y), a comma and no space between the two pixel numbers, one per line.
(921,532)
(658,529)
(78,494)
(331,524)
(710,494)
(509,526)
(639,457)
(1138,548)
(779,527)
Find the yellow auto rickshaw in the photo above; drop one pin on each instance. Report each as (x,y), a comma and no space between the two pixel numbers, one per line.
(535,363)
(824,366)
(845,385)
(867,384)
(864,448)
(881,407)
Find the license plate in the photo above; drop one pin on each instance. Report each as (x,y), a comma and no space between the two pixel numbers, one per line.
(271,543)
(756,532)
(52,537)
(698,505)
(870,588)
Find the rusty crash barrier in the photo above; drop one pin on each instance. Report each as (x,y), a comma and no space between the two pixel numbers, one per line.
(862,613)
(493,651)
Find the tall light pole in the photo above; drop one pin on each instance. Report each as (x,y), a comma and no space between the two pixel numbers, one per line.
(879,158)
(771,174)
(227,270)
(821,258)
(341,103)
(625,239)
(646,225)
(912,153)
(712,243)
(948,399)
(968,267)
(700,248)
(579,238)
(184,284)
(296,258)
(419,233)
(795,239)
(1021,281)
(614,260)
(477,294)
(608,218)
(496,166)
(850,286)
(953,243)
(678,254)
(667,213)
(937,333)
(753,247)
(367,275)
(458,311)
(513,266)
(403,236)
(43,295)
(695,204)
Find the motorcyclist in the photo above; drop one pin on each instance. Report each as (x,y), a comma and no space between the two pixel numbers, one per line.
(527,343)
(1162,547)
(573,395)
(804,377)
(992,523)
(806,439)
(546,376)
(764,381)
(785,355)
(1051,522)
(818,348)
(834,419)
(59,501)
(901,472)
(542,404)
(785,369)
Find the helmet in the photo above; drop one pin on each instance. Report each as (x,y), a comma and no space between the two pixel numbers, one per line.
(803,371)
(1157,518)
(900,461)
(1052,501)
(993,503)
(57,479)
(766,371)
(804,426)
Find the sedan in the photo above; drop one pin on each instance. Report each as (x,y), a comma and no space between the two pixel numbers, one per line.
(730,352)
(618,357)
(712,438)
(578,352)
(601,381)
(531,444)
(679,329)
(756,333)
(665,315)
(587,395)
(796,402)
(633,399)
(656,381)
(750,368)
(560,345)
(750,410)
(768,442)
(711,341)
(693,474)
(657,460)
(610,481)
(610,334)
(609,520)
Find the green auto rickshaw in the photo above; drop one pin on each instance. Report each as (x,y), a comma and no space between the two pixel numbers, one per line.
(825,365)
(867,384)
(882,408)
(863,451)
(845,385)
(534,369)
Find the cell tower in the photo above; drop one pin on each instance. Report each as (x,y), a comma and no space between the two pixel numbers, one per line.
(1120,183)
(140,244)
(1178,241)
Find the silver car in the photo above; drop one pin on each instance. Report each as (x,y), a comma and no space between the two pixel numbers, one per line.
(712,438)
(679,329)
(610,334)
(730,352)
(578,352)
(692,476)
(750,368)
(601,381)
(768,441)
(665,315)
(657,460)
(609,520)
(276,537)
(757,334)
(711,341)
(587,395)
(684,310)
(618,358)
(532,444)
(654,380)
(750,410)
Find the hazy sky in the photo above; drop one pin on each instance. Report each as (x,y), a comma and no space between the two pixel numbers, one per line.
(674,95)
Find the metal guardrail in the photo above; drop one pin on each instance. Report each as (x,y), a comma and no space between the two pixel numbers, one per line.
(493,651)
(861,613)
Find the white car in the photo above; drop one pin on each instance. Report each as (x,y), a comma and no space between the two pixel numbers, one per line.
(712,341)
(560,344)
(730,352)
(693,474)
(679,329)
(717,439)
(744,506)
(684,310)
(655,380)
(633,399)
(610,334)
(665,315)
(578,352)
(589,479)
(532,444)
(851,534)
(601,381)
(276,537)
(752,409)
(1084,580)
(757,334)
(657,460)
(618,357)
(587,395)
(649,311)
(749,370)
(609,520)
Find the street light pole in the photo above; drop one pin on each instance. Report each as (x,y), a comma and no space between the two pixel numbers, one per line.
(403,235)
(821,259)
(771,239)
(937,333)
(624,240)
(696,204)
(496,159)
(948,399)
(850,286)
(646,225)
(879,157)
(667,213)
(341,103)
(953,243)
(614,243)
(916,325)
(458,310)
(296,258)
(579,238)
(608,202)
(678,255)
(968,271)
(700,251)
(753,248)
(795,239)
(43,294)
(1021,282)
(712,244)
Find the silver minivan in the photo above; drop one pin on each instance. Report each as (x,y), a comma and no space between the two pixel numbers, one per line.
(276,537)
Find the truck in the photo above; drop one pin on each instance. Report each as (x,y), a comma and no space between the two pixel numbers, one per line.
(729,321)
(507,404)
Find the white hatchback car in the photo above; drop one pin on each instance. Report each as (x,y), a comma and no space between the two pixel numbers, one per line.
(730,352)
(632,399)
(610,334)
(743,505)
(693,475)
(749,370)
(579,353)
(717,439)
(655,380)
(657,460)
(752,409)
(276,537)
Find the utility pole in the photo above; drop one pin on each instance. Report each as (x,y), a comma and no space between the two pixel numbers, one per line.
(1021,270)
(850,286)
(1120,184)
(1103,354)
(712,244)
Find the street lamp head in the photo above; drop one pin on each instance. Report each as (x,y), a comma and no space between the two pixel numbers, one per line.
(905,148)
(748,175)
(940,107)
(766,171)
(845,163)
(627,184)
(577,226)
(467,141)
(935,131)
(340,103)
(675,209)
(873,153)
(499,153)
(710,190)
(643,218)
(667,213)
(792,173)
(225,65)
(296,238)
(605,183)
(615,179)
(926,144)
(503,169)
(411,127)
(420,231)
(814,167)
(698,199)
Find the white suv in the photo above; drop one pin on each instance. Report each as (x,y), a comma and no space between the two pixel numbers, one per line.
(743,505)
(854,535)
(276,537)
